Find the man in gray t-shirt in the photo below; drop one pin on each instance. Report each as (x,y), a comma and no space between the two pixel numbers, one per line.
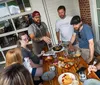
(39,34)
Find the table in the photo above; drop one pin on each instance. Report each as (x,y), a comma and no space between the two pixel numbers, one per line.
(73,69)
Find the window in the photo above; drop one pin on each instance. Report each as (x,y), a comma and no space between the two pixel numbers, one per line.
(2,12)
(8,40)
(1,58)
(14,7)
(15,17)
(6,26)
(22,21)
(98,15)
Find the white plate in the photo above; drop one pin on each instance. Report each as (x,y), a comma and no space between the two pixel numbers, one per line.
(91,82)
(70,74)
(48,53)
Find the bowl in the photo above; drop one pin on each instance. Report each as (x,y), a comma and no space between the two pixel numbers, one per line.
(70,79)
(91,82)
(57,48)
(49,75)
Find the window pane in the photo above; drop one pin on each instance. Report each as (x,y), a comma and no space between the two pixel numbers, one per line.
(18,6)
(13,7)
(27,5)
(98,14)
(98,3)
(3,11)
(8,40)
(6,26)
(23,21)
(1,57)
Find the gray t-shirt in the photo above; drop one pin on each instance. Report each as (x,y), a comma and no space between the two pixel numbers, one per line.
(38,31)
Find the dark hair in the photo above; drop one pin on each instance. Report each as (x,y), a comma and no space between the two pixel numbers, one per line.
(75,20)
(19,38)
(15,74)
(61,7)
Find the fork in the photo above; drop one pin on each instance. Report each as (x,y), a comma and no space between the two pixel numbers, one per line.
(94,62)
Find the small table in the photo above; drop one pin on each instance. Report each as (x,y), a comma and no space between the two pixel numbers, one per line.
(46,65)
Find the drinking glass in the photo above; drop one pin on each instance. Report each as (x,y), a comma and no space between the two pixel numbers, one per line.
(82,76)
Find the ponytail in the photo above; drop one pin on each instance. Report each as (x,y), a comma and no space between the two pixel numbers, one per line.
(18,44)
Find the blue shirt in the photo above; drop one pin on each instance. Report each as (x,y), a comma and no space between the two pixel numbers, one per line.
(84,36)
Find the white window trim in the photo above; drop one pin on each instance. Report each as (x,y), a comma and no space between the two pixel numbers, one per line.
(16,31)
(94,18)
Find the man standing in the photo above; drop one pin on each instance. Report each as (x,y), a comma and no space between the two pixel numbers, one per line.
(64,30)
(84,36)
(39,34)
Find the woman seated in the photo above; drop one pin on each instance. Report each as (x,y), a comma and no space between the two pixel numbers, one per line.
(14,55)
(15,74)
(32,62)
(95,69)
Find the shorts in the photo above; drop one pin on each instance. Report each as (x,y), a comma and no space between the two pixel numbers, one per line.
(33,71)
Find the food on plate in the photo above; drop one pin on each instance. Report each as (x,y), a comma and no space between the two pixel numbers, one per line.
(48,58)
(61,58)
(57,48)
(71,63)
(77,55)
(61,64)
(68,60)
(67,66)
(66,79)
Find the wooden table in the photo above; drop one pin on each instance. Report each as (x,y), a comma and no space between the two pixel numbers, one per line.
(73,69)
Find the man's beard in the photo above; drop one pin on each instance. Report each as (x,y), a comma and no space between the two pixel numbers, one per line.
(62,17)
(38,23)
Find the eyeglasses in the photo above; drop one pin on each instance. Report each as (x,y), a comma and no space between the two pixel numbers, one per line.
(26,39)
(79,35)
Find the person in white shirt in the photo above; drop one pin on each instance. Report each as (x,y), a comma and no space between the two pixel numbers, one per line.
(64,30)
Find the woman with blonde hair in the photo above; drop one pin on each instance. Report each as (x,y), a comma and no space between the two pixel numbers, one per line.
(13,56)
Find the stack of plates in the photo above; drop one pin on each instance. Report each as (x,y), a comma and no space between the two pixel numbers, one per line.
(48,53)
